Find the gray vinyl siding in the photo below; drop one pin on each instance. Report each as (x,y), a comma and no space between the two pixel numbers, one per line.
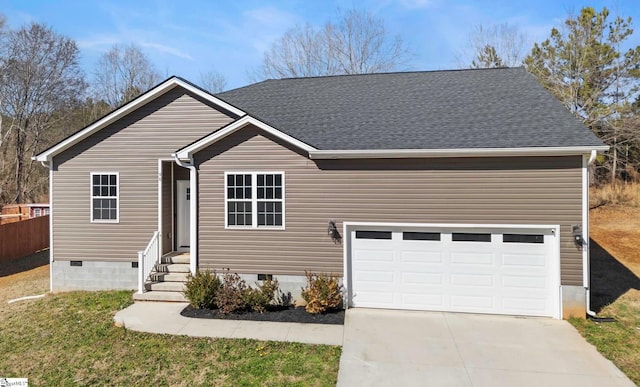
(514,190)
(132,147)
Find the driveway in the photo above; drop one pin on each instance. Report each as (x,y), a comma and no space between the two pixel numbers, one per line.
(404,348)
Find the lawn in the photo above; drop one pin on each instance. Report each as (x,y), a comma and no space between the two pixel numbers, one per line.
(615,229)
(70,339)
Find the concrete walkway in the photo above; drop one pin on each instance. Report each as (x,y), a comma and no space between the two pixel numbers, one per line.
(164,317)
(401,348)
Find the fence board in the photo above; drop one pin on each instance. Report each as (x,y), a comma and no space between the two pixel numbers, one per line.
(23,238)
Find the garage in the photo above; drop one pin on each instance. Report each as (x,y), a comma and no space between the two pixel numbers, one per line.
(506,269)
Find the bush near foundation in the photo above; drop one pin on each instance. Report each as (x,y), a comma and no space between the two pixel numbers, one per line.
(322,293)
(202,289)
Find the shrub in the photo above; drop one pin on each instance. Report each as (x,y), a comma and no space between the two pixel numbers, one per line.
(323,292)
(258,298)
(283,300)
(233,295)
(202,288)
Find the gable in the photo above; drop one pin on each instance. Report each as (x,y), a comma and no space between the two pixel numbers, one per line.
(133,106)
(152,131)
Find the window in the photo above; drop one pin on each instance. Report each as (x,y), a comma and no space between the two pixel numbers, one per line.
(255,200)
(522,238)
(104,197)
(373,234)
(420,236)
(470,237)
(37,212)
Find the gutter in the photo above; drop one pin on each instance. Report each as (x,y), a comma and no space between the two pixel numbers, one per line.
(193,209)
(463,152)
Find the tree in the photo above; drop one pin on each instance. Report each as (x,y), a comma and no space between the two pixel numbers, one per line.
(213,81)
(122,74)
(357,43)
(41,79)
(500,45)
(583,66)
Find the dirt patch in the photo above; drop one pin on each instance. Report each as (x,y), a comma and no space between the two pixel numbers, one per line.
(293,314)
(615,257)
(26,276)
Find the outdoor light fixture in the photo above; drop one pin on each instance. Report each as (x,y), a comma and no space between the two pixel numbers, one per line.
(332,231)
(576,230)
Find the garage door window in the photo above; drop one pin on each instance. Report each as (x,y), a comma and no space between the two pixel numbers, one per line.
(373,234)
(522,238)
(421,236)
(470,237)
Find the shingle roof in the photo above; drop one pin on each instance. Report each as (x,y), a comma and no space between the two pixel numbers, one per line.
(490,108)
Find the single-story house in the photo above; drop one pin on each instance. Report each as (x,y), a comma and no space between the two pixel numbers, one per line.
(461,190)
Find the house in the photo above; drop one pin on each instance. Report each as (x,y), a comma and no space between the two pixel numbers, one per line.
(460,190)
(10,213)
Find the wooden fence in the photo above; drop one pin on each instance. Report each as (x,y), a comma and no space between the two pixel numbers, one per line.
(23,238)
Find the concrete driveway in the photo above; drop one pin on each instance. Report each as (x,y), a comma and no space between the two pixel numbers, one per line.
(403,348)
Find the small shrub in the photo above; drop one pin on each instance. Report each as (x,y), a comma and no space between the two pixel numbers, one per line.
(202,289)
(258,298)
(233,295)
(323,292)
(283,300)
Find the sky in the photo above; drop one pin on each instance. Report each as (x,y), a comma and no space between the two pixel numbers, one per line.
(191,37)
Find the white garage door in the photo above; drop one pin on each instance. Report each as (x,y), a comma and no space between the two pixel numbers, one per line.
(498,271)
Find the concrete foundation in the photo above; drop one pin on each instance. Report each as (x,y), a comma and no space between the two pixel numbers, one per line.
(93,276)
(574,301)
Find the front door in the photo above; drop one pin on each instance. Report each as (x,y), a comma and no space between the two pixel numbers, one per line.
(183,198)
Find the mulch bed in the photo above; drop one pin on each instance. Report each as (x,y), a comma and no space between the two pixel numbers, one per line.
(292,314)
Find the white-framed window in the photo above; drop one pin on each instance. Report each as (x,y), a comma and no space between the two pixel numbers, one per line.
(37,212)
(254,200)
(105,197)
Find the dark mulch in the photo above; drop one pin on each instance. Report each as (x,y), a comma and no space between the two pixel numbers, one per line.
(297,315)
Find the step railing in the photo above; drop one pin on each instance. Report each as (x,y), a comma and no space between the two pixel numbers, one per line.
(147,260)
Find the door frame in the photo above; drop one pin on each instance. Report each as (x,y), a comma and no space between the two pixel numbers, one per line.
(183,209)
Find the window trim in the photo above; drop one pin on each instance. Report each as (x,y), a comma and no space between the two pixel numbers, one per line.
(117,197)
(254,200)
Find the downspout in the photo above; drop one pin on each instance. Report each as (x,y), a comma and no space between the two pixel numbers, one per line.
(193,204)
(587,278)
(49,166)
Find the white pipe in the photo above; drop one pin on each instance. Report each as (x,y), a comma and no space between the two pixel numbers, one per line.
(590,312)
(26,298)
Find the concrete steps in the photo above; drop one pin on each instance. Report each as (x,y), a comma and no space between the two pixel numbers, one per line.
(167,280)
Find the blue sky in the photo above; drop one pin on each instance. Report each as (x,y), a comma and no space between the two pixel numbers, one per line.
(187,38)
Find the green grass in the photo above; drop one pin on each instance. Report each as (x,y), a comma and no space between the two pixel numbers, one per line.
(618,341)
(70,339)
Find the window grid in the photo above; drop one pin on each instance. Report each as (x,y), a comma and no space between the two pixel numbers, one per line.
(104,197)
(255,200)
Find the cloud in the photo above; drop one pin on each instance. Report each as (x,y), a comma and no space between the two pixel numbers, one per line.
(415,4)
(166,49)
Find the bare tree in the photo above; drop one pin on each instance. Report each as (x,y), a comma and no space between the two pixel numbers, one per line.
(41,80)
(357,43)
(213,81)
(501,45)
(122,74)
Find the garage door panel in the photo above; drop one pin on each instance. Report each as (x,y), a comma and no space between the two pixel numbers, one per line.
(472,303)
(423,301)
(531,260)
(474,280)
(372,256)
(421,257)
(421,279)
(522,282)
(471,258)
